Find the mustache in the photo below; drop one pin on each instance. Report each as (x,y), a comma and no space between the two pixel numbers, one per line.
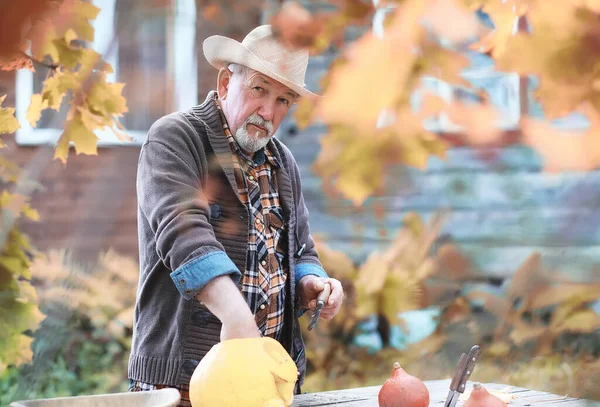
(259,121)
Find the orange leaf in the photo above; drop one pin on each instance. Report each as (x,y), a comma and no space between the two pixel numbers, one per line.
(211,11)
(565,150)
(14,62)
(295,26)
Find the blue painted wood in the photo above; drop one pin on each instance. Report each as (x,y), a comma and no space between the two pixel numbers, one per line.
(580,263)
(306,146)
(553,227)
(478,190)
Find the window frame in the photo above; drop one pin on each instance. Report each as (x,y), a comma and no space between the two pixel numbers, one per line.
(182,58)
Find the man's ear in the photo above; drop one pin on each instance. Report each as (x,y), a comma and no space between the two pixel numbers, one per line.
(223,81)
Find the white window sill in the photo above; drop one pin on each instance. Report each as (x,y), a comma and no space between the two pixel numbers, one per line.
(107,138)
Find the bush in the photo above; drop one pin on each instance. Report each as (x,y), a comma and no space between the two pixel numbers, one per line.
(82,346)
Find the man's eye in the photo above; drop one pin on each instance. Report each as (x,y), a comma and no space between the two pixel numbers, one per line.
(258,88)
(284,101)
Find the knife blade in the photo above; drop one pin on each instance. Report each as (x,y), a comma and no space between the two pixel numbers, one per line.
(322,299)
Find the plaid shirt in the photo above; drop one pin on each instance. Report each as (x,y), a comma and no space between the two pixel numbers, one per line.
(264,279)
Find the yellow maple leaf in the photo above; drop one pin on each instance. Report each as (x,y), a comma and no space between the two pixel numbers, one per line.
(56,86)
(42,35)
(93,121)
(376,73)
(76,132)
(106,98)
(75,15)
(34,112)
(562,51)
(8,121)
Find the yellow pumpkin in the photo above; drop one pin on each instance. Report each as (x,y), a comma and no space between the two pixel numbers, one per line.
(253,372)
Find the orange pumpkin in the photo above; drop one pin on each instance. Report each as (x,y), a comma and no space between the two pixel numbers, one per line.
(480,397)
(403,390)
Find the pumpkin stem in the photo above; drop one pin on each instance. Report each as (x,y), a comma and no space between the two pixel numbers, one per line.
(476,386)
(396,365)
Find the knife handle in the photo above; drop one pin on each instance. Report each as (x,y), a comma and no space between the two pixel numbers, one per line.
(460,368)
(324,294)
(470,365)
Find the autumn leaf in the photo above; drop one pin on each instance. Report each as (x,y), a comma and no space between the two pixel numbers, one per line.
(552,295)
(34,112)
(105,98)
(441,63)
(8,121)
(42,35)
(503,14)
(452,21)
(399,294)
(583,321)
(564,150)
(76,15)
(82,138)
(16,61)
(295,27)
(70,20)
(14,19)
(372,64)
(479,123)
(56,86)
(211,11)
(562,51)
(304,112)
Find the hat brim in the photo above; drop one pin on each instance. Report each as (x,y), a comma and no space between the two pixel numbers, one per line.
(221,51)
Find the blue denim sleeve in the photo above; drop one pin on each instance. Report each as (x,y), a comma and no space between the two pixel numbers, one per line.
(305,269)
(191,277)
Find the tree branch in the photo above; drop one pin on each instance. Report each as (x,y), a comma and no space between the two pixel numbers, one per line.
(54,67)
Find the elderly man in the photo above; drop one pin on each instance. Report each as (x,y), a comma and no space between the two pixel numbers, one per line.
(225,246)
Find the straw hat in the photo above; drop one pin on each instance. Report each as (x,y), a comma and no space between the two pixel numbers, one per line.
(261,51)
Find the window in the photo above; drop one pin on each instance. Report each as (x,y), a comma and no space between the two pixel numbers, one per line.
(154,54)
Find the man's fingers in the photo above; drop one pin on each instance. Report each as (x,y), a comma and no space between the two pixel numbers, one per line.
(316,284)
(337,293)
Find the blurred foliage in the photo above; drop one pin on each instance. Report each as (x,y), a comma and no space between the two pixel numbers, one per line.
(54,36)
(544,323)
(370,131)
(19,313)
(82,346)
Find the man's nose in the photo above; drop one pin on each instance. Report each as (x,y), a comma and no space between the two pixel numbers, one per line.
(266,111)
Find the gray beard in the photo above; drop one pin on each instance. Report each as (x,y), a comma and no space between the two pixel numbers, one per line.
(253,143)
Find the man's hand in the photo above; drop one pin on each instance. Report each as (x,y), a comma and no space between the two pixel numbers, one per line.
(222,297)
(309,288)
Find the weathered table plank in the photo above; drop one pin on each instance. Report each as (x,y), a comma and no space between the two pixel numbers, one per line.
(438,390)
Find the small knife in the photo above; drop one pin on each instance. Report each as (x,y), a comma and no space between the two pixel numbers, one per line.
(321,300)
(465,367)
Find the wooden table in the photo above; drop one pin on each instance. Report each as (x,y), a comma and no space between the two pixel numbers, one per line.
(438,390)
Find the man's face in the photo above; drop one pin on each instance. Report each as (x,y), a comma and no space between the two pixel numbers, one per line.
(254,105)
